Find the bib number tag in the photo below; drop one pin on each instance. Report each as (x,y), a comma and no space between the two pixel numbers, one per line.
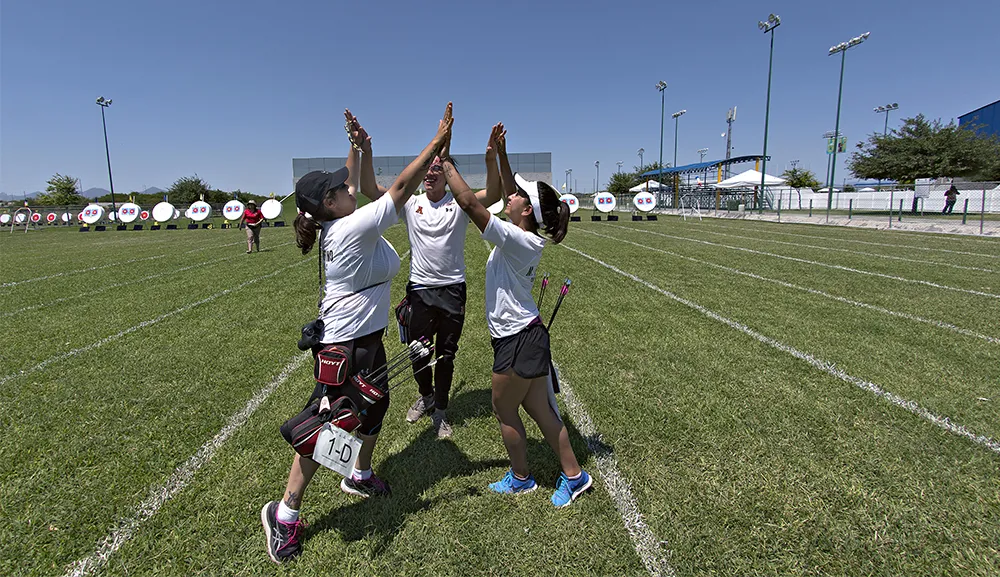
(336,449)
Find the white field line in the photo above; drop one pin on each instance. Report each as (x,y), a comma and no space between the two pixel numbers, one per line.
(178,480)
(142,325)
(825,366)
(93,268)
(647,546)
(849,251)
(121,284)
(823,264)
(838,239)
(915,318)
(80,270)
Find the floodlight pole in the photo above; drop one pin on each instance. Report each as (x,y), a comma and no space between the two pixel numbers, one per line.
(773,21)
(842,48)
(597,183)
(620,163)
(639,152)
(662,87)
(104,104)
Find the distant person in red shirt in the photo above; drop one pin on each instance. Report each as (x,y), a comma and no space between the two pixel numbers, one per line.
(254,220)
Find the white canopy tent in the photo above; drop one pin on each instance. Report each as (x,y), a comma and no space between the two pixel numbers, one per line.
(749,178)
(648,185)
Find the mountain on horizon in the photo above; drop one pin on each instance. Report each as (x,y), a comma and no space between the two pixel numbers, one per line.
(6,197)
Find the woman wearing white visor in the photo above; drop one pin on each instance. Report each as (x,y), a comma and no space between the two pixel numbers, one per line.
(521,355)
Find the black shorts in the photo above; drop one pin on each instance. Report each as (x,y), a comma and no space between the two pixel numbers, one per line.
(527,352)
(367,352)
(438,314)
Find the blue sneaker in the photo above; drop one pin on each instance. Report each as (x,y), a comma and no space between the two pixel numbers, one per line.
(512,485)
(567,491)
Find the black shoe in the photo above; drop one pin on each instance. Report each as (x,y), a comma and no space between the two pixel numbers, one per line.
(282,538)
(370,487)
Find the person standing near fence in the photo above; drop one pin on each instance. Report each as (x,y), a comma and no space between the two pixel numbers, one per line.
(950,198)
(254,220)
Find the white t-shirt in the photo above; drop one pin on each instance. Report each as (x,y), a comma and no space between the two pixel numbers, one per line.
(510,274)
(437,240)
(355,257)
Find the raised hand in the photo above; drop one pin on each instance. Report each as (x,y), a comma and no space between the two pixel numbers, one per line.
(501,143)
(357,134)
(493,145)
(443,136)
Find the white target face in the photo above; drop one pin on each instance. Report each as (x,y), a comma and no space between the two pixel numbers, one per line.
(605,201)
(20,217)
(644,201)
(128,212)
(177,213)
(199,211)
(570,199)
(4,218)
(112,215)
(66,217)
(36,217)
(144,215)
(496,207)
(233,210)
(271,209)
(50,217)
(187,212)
(92,213)
(163,212)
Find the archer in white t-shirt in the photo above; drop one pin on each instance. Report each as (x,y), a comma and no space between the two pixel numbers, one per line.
(357,265)
(436,290)
(521,354)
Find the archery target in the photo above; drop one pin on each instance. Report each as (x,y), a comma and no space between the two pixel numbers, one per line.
(144,215)
(233,210)
(200,210)
(604,201)
(92,213)
(50,217)
(187,212)
(79,216)
(4,218)
(163,212)
(36,217)
(128,212)
(644,201)
(570,199)
(66,217)
(177,213)
(271,209)
(19,218)
(496,207)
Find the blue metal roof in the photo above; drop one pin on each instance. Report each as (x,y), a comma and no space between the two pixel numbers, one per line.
(700,166)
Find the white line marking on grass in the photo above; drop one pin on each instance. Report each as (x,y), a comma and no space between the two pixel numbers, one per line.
(647,546)
(179,479)
(836,238)
(81,270)
(823,264)
(221,246)
(142,325)
(847,250)
(939,324)
(121,284)
(825,366)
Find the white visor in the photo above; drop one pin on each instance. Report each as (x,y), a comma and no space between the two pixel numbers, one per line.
(531,187)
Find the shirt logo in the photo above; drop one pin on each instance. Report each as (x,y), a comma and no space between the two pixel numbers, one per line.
(420,210)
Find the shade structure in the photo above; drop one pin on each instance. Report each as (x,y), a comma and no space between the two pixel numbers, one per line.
(749,178)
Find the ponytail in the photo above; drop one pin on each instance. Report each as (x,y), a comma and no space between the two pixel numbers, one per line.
(555,213)
(305,232)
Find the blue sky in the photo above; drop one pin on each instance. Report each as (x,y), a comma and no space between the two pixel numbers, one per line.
(232,91)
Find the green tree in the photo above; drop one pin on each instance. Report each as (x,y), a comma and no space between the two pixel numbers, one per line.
(188,189)
(926,149)
(800,178)
(622,181)
(60,191)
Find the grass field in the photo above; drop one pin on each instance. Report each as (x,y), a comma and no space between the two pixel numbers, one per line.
(752,399)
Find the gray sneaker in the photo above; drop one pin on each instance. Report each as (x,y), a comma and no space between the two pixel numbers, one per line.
(441,424)
(423,406)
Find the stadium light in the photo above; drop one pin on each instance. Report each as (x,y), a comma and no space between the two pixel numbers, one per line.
(662,87)
(639,152)
(597,165)
(620,163)
(842,48)
(773,21)
(886,109)
(676,116)
(104,104)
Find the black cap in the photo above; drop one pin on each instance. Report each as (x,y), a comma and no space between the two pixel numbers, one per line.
(312,188)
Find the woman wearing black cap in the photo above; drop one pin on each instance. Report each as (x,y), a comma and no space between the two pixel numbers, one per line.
(357,266)
(521,355)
